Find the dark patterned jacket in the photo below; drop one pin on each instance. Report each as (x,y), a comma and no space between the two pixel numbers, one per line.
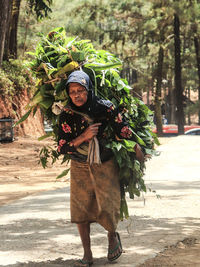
(71,125)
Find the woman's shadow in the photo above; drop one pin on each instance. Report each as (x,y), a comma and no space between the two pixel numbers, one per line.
(60,262)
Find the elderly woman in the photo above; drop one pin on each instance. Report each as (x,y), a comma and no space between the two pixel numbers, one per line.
(94,188)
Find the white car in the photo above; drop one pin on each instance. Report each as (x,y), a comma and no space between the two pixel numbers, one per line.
(195,131)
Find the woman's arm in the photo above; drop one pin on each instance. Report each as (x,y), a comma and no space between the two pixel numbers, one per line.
(68,140)
(87,135)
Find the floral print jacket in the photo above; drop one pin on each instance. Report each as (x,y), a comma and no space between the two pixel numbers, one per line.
(71,125)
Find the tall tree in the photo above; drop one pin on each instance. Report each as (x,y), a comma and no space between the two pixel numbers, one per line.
(13,29)
(40,8)
(7,38)
(178,81)
(197,49)
(159,75)
(4,7)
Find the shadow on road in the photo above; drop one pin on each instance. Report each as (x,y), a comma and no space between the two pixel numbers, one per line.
(141,235)
(60,262)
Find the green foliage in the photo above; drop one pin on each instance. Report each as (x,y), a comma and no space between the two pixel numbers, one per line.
(56,56)
(15,77)
(192,109)
(48,153)
(40,7)
(134,30)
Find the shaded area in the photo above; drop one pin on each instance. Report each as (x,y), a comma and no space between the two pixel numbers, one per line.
(61,262)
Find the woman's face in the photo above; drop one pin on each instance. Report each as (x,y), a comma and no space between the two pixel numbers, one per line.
(78,94)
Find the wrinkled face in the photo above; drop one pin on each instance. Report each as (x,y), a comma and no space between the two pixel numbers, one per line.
(78,94)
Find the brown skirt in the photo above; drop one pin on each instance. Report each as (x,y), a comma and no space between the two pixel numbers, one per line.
(95,194)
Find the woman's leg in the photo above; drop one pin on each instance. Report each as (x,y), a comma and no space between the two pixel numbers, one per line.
(84,231)
(114,246)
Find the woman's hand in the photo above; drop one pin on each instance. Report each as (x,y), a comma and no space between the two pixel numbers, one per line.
(87,135)
(139,153)
(91,131)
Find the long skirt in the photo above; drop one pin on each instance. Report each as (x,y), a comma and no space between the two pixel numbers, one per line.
(95,194)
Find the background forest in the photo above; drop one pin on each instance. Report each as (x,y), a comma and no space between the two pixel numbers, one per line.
(157,40)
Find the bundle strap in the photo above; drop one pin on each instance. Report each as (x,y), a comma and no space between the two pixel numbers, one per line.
(93,152)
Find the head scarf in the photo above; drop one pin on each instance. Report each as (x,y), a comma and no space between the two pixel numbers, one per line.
(94,106)
(83,79)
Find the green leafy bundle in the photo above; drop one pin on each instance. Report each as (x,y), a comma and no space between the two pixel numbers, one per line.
(56,56)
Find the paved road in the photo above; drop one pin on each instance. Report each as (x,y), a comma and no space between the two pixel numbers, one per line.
(36,231)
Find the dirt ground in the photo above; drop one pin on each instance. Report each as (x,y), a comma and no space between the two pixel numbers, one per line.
(20,176)
(20,173)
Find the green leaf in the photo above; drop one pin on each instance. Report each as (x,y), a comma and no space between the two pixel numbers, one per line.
(129,145)
(138,139)
(45,136)
(43,161)
(36,99)
(50,53)
(60,86)
(62,61)
(67,68)
(143,186)
(121,85)
(99,66)
(23,118)
(30,53)
(124,209)
(149,151)
(34,111)
(66,158)
(78,56)
(137,165)
(64,173)
(117,145)
(46,103)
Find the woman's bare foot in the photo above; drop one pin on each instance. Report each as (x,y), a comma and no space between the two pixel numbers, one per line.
(114,247)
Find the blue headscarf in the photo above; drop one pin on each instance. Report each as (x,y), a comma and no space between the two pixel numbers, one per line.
(94,106)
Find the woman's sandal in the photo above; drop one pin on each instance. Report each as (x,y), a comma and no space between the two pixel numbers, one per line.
(118,246)
(83,263)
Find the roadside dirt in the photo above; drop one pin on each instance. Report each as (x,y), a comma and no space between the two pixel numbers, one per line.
(185,253)
(20,173)
(20,176)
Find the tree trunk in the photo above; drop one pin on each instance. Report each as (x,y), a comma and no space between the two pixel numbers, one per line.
(148,102)
(13,32)
(158,113)
(25,36)
(4,7)
(178,82)
(189,118)
(172,106)
(7,39)
(197,47)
